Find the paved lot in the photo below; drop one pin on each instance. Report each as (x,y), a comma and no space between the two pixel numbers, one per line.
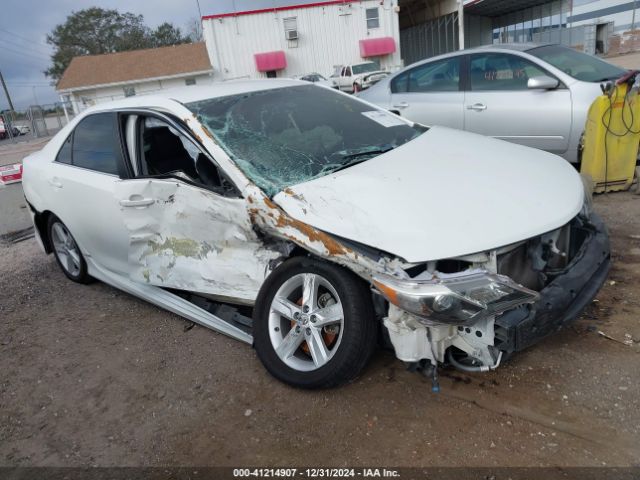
(93,376)
(630,61)
(14,215)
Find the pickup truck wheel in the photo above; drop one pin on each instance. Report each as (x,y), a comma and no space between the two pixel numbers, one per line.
(67,252)
(314,325)
(356,88)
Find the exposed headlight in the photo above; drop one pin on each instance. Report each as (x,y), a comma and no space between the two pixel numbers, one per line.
(460,299)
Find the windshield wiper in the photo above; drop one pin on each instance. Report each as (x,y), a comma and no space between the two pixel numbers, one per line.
(368,151)
(357,157)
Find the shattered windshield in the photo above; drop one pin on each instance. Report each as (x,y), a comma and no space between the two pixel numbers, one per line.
(285,136)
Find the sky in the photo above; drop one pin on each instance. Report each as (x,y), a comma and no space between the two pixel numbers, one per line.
(24,24)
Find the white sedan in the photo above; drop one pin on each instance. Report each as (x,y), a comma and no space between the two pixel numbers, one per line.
(317,237)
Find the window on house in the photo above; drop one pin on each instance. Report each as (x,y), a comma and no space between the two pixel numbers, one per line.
(129,91)
(189,81)
(373,19)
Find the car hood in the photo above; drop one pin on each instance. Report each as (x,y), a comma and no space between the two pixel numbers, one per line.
(372,74)
(445,194)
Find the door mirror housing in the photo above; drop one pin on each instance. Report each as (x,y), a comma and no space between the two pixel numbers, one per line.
(542,83)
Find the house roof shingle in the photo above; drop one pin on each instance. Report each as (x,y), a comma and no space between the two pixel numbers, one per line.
(88,70)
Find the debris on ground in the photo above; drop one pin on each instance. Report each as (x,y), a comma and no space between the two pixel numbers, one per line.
(628,339)
(17,236)
(189,326)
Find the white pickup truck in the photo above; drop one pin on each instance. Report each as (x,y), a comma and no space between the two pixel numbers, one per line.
(357,76)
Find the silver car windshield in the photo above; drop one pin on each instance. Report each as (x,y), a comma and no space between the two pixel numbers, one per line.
(577,64)
(285,136)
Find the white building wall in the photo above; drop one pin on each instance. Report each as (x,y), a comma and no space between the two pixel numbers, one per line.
(81,99)
(597,11)
(328,36)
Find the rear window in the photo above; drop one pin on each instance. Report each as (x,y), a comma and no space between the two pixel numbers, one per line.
(64,155)
(96,145)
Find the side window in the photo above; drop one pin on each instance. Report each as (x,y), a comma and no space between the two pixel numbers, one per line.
(64,155)
(347,72)
(500,71)
(165,151)
(373,20)
(96,144)
(441,76)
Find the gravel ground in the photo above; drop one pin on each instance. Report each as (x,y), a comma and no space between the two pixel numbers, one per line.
(93,376)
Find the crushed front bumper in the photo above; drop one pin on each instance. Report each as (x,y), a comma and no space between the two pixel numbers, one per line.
(563,299)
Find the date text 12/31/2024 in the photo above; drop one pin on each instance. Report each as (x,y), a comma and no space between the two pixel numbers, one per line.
(315,473)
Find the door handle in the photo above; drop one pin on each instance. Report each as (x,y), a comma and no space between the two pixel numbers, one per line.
(477,107)
(54,182)
(141,202)
(401,105)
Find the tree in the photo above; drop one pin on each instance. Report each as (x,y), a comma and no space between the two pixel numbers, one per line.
(167,34)
(95,30)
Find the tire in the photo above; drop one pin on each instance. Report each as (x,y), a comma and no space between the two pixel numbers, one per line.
(66,251)
(356,88)
(319,355)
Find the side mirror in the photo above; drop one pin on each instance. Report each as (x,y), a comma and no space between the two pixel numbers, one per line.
(542,83)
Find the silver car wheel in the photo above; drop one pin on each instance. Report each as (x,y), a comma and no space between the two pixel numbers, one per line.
(306,322)
(66,249)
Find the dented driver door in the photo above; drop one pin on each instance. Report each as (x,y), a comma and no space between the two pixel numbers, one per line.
(188,226)
(190,238)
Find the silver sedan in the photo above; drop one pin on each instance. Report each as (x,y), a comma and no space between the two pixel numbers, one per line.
(531,94)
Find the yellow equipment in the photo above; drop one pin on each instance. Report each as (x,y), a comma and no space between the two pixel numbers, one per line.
(612,136)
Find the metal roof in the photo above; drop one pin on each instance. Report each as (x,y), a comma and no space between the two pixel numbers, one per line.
(496,8)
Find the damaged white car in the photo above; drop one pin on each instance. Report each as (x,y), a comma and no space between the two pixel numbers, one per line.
(316,226)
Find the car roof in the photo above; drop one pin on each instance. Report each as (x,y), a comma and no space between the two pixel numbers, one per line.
(498,47)
(195,93)
(519,47)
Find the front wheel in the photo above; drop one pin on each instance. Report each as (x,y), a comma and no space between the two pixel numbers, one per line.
(356,88)
(314,325)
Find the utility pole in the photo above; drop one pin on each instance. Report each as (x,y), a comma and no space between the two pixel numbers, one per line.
(200,20)
(633,19)
(6,92)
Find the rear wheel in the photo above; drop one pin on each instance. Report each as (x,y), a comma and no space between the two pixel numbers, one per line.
(314,325)
(67,252)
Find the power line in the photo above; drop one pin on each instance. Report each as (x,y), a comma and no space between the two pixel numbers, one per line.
(30,82)
(30,86)
(25,54)
(22,52)
(19,45)
(30,40)
(25,84)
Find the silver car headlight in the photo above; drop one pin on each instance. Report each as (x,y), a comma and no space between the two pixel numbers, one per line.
(460,299)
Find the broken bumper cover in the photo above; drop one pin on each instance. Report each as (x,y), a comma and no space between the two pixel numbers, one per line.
(563,299)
